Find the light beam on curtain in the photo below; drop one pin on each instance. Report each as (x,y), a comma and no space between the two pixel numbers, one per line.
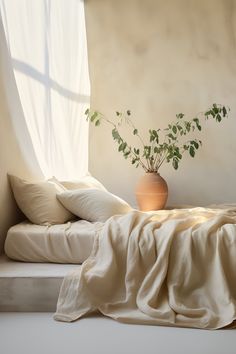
(47,43)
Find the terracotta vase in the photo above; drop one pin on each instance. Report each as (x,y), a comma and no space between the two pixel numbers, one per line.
(151,192)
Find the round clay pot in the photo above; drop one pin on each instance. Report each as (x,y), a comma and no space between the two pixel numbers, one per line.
(151,192)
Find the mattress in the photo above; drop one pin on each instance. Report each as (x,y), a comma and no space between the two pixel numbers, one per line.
(65,243)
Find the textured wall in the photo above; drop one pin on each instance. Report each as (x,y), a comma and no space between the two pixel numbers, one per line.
(159,58)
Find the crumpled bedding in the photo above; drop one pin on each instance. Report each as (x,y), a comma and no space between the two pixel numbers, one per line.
(170,267)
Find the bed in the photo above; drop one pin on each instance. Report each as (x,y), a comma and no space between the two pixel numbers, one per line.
(169,267)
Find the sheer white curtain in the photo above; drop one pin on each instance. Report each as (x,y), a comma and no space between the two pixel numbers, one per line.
(48,48)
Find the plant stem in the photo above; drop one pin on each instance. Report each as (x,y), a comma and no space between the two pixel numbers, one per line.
(149,167)
(130,148)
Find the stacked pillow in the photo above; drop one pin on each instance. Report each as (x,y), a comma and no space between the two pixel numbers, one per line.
(83,182)
(38,201)
(54,202)
(93,204)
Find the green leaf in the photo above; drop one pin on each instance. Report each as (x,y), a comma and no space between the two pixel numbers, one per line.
(87,111)
(97,123)
(147,151)
(177,153)
(174,129)
(215,109)
(135,132)
(179,127)
(188,126)
(207,114)
(154,132)
(94,116)
(199,127)
(126,154)
(175,164)
(152,138)
(180,116)
(224,111)
(171,136)
(115,134)
(195,144)
(218,118)
(122,146)
(192,151)
(212,113)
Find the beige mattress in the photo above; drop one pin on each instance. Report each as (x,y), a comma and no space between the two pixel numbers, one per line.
(66,243)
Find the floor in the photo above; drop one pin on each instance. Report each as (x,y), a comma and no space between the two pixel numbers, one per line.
(38,333)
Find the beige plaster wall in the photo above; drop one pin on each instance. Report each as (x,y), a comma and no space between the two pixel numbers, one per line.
(158,58)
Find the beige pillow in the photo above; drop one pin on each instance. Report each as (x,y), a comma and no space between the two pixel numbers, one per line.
(37,200)
(83,182)
(93,204)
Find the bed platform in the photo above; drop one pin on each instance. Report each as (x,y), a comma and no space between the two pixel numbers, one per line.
(36,260)
(30,287)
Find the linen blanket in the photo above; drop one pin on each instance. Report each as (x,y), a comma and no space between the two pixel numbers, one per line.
(170,267)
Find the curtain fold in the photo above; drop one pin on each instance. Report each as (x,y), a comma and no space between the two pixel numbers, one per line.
(12,118)
(47,43)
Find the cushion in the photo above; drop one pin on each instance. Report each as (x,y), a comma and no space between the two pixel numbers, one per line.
(93,204)
(37,200)
(83,182)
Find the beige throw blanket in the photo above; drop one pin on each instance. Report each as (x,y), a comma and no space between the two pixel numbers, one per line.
(174,268)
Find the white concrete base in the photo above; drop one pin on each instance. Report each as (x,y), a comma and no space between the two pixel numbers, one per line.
(30,286)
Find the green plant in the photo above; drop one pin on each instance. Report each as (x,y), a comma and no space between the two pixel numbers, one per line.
(165,145)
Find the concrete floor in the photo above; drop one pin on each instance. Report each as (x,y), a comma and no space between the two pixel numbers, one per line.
(38,333)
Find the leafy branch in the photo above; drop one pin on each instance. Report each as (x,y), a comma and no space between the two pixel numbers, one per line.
(165,145)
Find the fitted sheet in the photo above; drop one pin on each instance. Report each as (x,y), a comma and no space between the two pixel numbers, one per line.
(65,243)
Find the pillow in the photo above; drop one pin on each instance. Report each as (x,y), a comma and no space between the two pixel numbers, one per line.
(83,182)
(93,204)
(37,200)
